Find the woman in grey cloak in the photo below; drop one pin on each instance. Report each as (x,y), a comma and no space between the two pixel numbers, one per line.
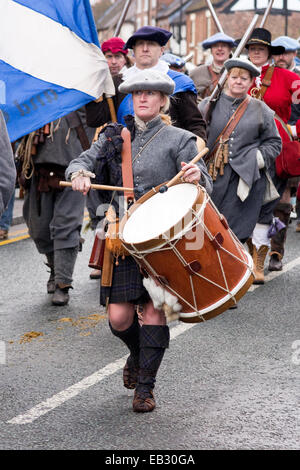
(243,183)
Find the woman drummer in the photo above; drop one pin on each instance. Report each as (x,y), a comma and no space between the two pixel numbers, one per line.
(244,154)
(159,152)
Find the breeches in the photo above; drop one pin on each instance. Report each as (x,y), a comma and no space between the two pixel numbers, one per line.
(54,218)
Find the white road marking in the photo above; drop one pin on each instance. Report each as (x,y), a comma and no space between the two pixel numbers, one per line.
(70,392)
(273,274)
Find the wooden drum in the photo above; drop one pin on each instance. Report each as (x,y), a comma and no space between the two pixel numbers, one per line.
(181,240)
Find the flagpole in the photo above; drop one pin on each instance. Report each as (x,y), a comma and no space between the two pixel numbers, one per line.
(266,14)
(215,18)
(122,18)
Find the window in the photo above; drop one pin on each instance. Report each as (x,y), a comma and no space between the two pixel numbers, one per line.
(208,23)
(193,29)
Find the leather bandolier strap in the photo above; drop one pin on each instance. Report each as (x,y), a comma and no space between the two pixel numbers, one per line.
(259,93)
(214,81)
(218,158)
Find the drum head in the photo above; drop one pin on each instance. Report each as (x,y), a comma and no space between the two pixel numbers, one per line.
(159,213)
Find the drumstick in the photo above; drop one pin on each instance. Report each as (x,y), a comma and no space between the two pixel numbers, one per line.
(99,186)
(176,178)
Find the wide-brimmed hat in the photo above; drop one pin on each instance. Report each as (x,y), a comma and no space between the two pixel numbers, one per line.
(263,36)
(148,80)
(114,45)
(242,64)
(289,44)
(218,37)
(149,33)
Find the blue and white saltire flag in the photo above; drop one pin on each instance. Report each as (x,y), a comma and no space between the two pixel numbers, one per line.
(50,62)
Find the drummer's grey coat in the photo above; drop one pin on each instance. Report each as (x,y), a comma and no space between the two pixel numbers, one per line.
(158,162)
(255,131)
(7,167)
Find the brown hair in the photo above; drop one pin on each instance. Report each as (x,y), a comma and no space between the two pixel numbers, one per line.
(164,109)
(239,71)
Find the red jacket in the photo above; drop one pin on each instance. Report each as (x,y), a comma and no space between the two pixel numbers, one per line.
(283,91)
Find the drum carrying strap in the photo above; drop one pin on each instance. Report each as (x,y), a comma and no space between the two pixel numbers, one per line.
(113,245)
(127,165)
(219,156)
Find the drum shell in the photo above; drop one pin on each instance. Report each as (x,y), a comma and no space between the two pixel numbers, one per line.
(207,278)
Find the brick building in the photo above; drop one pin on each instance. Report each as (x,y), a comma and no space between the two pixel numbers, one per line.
(191,22)
(235,17)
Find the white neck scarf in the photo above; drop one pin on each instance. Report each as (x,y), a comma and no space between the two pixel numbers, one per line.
(161,66)
(258,79)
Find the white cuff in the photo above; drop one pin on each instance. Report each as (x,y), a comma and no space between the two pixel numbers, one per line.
(88,174)
(242,190)
(260,159)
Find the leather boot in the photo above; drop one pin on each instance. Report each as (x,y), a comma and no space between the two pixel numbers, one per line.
(64,263)
(259,257)
(131,337)
(3,234)
(250,246)
(95,274)
(154,339)
(275,263)
(51,280)
(61,295)
(283,212)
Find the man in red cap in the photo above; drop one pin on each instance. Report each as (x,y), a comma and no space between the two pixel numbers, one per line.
(115,55)
(118,61)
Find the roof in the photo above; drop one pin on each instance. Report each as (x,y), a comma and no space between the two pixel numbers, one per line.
(244,5)
(112,15)
(201,4)
(174,7)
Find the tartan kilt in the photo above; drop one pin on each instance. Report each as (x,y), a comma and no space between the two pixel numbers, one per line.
(127,284)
